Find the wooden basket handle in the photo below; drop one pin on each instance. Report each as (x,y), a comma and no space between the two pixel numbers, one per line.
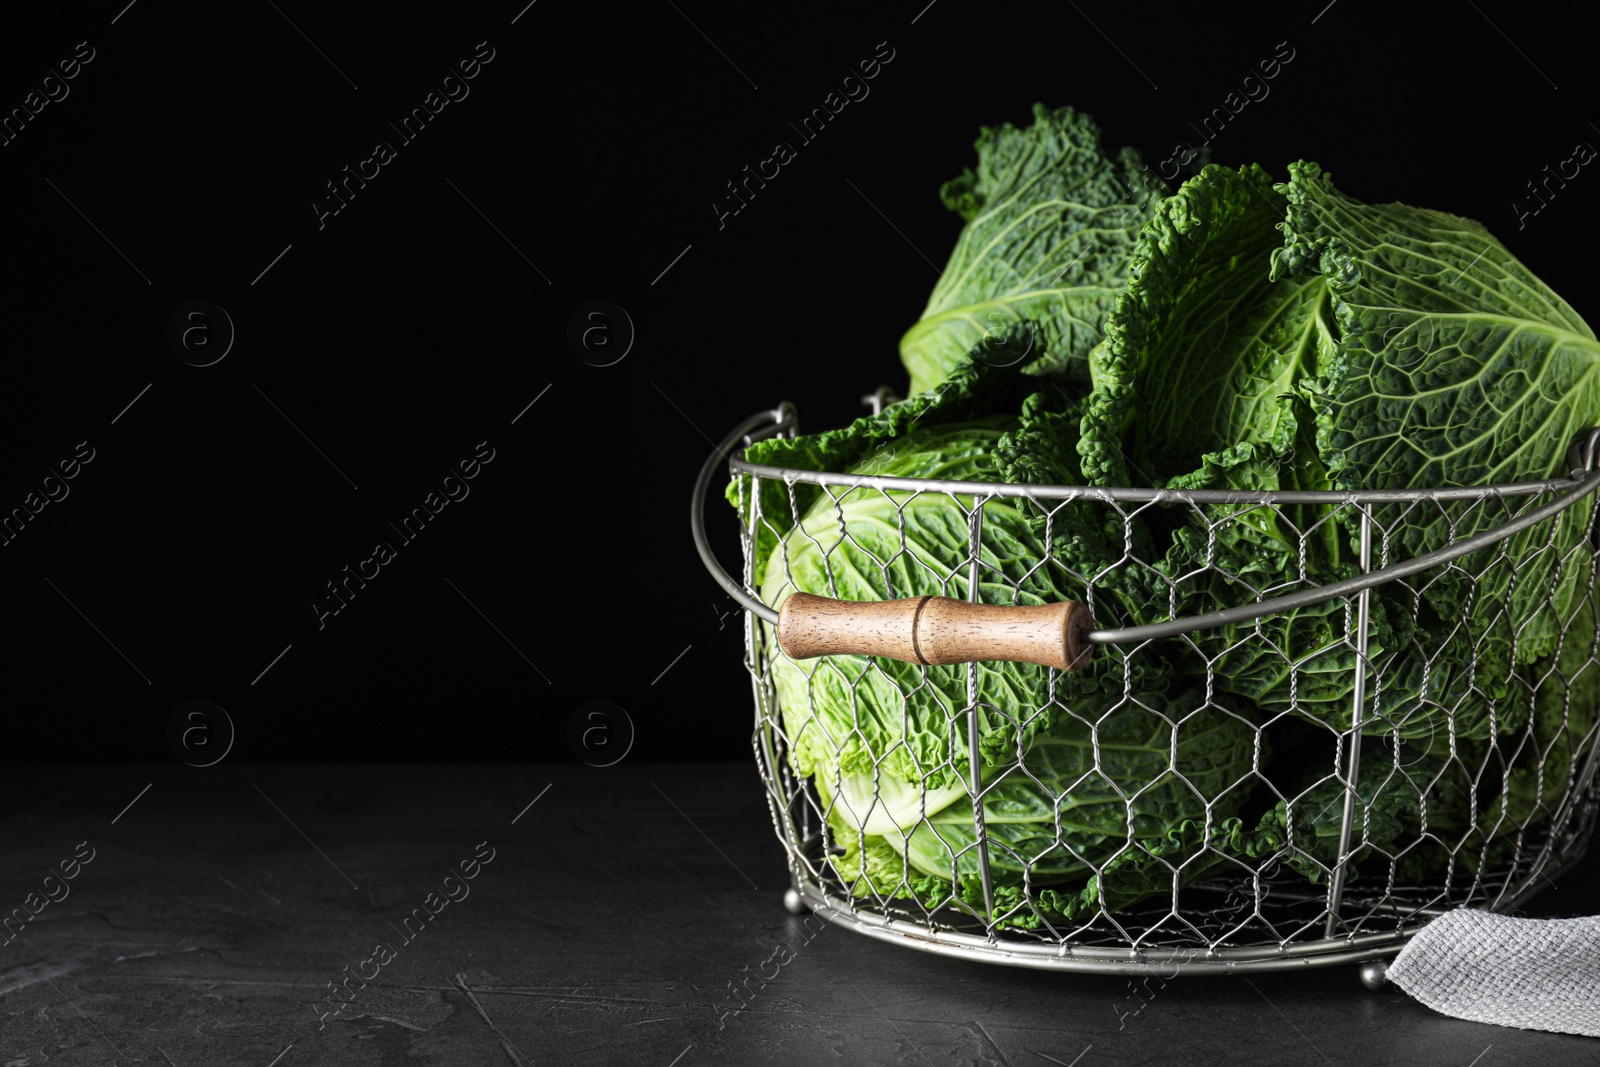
(936,630)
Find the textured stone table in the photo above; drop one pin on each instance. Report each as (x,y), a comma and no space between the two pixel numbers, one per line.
(602,925)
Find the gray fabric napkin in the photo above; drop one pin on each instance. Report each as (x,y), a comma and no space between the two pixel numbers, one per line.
(1536,974)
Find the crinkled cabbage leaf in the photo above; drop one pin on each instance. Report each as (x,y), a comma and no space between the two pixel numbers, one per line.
(1050,218)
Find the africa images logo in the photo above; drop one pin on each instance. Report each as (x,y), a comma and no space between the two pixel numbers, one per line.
(453,888)
(851,87)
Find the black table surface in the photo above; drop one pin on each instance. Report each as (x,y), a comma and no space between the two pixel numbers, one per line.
(609,913)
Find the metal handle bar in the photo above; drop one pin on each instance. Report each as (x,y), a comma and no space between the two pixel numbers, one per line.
(758,426)
(1306,597)
(1583,452)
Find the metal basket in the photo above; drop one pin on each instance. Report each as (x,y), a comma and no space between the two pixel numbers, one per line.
(1247,916)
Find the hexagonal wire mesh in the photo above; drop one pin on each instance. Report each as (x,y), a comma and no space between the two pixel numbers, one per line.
(1295,766)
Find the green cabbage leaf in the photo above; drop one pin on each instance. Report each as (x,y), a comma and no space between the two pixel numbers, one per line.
(1050,218)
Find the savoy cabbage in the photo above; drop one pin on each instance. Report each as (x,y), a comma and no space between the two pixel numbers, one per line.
(1239,333)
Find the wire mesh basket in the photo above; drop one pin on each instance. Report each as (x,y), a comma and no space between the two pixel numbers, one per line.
(1339,764)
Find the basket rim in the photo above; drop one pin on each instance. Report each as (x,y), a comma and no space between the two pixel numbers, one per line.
(1580,458)
(1585,480)
(1132,494)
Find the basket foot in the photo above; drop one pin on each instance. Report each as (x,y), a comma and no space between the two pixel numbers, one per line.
(1374,974)
(792,901)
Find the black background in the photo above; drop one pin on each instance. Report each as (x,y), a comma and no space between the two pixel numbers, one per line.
(407,329)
